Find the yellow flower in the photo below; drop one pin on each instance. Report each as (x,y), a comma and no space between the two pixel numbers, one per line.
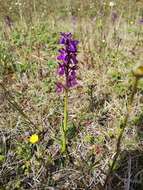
(138,72)
(131,22)
(34,139)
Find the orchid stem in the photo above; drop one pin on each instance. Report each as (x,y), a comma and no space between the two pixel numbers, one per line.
(64,139)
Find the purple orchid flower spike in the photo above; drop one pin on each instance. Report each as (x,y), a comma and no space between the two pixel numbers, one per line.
(141,21)
(67,61)
(114,16)
(59,87)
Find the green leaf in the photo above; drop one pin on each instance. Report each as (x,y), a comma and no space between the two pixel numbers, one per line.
(2,158)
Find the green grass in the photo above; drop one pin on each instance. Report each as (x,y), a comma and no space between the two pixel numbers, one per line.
(29,104)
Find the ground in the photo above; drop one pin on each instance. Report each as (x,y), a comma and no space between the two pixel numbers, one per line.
(110,38)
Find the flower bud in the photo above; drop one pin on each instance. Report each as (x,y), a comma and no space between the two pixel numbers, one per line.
(138,72)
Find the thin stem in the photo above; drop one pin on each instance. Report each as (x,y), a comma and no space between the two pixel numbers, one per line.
(64,140)
(122,126)
(65,110)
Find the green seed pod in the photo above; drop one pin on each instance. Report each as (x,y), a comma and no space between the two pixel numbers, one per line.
(138,72)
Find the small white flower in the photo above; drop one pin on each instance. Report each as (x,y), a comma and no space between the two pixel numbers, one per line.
(111,4)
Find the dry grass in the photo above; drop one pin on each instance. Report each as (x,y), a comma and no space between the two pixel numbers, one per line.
(28,103)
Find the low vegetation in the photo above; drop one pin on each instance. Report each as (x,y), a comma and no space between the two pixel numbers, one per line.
(103,106)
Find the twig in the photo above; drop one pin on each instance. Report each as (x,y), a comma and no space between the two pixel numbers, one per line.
(122,126)
(127,184)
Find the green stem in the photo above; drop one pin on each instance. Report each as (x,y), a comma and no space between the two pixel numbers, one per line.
(122,126)
(65,110)
(64,138)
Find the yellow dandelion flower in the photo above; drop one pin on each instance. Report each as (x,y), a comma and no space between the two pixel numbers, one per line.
(34,139)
